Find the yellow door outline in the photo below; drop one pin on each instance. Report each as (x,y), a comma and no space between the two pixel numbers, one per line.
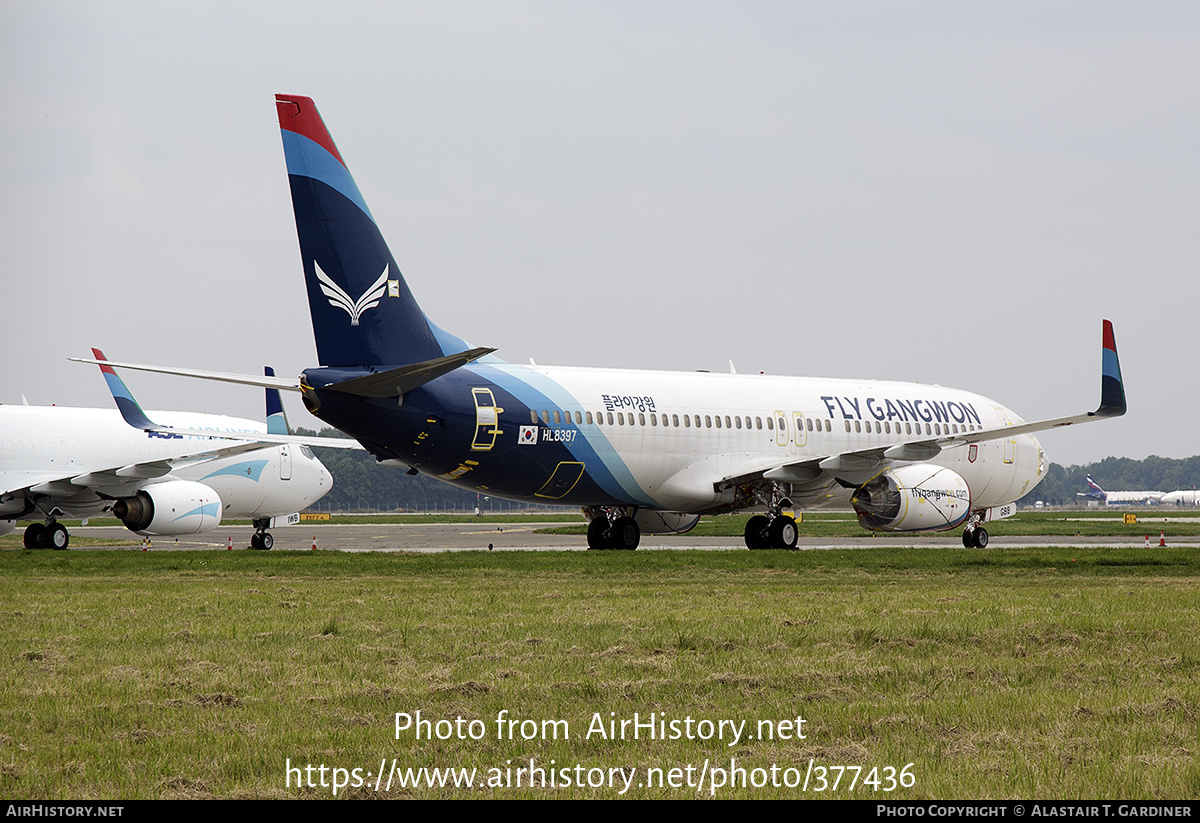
(801,432)
(564,477)
(487,420)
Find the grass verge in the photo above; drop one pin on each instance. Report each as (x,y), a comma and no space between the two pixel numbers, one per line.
(1046,673)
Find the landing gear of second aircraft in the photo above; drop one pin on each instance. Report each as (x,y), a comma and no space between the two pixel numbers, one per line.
(262,538)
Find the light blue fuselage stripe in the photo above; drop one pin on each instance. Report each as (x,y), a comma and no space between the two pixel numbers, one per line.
(251,469)
(602,462)
(306,158)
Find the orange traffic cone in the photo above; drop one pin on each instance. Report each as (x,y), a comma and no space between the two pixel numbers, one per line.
(1162,539)
(314,548)
(1147,541)
(229,548)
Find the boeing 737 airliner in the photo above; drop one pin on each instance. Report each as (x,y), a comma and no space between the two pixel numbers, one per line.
(639,451)
(58,462)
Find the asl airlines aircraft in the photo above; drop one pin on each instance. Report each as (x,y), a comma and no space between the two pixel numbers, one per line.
(62,462)
(639,451)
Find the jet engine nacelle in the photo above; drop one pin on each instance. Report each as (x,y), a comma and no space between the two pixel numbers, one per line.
(919,497)
(174,507)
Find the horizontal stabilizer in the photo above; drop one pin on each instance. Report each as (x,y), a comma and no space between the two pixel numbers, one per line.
(135,417)
(396,382)
(282,383)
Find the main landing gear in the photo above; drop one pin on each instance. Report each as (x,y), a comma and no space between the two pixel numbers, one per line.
(262,538)
(613,529)
(773,530)
(48,535)
(778,532)
(975,536)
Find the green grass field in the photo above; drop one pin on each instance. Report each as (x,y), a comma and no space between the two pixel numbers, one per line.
(1045,673)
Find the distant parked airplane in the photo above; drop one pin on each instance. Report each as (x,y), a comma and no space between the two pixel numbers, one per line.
(58,462)
(1094,492)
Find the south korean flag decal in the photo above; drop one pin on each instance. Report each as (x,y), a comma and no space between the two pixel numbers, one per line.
(527,436)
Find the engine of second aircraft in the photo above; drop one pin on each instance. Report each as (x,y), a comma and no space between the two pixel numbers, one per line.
(916,497)
(173,507)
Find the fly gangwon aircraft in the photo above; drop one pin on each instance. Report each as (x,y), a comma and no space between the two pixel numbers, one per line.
(639,451)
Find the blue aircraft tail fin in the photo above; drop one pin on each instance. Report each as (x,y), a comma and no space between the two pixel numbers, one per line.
(363,313)
(130,409)
(276,418)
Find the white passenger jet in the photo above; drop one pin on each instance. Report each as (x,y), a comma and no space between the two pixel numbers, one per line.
(58,462)
(1127,498)
(639,451)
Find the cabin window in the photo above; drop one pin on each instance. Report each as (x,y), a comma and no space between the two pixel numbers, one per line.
(687,421)
(718,420)
(589,418)
(770,424)
(653,419)
(675,420)
(641,418)
(610,418)
(546,417)
(707,421)
(858,427)
(727,422)
(620,418)
(557,418)
(578,418)
(739,421)
(532,416)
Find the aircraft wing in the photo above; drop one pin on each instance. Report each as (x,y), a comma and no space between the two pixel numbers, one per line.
(114,479)
(860,465)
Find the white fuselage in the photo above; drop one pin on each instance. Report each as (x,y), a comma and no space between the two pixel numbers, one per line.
(66,461)
(670,438)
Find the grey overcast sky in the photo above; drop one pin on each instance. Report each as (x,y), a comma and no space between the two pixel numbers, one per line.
(942,192)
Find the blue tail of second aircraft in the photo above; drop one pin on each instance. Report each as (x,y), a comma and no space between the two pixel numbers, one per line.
(363,313)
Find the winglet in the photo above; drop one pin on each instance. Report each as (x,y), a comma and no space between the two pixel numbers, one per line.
(1112,389)
(276,419)
(129,408)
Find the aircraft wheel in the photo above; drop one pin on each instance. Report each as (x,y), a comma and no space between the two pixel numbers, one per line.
(55,536)
(625,534)
(598,536)
(266,542)
(981,538)
(33,536)
(784,533)
(255,543)
(756,530)
(968,539)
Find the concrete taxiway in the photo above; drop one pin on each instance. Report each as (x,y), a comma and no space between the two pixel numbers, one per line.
(438,537)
